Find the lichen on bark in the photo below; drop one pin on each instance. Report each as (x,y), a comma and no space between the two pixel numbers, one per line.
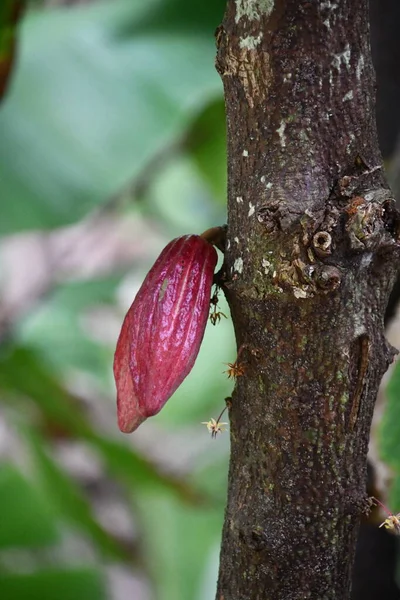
(312,244)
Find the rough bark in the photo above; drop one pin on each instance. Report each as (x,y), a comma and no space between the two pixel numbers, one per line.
(312,242)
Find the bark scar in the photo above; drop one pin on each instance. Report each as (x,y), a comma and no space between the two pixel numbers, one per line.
(363,362)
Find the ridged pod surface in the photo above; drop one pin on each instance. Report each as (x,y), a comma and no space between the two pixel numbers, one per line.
(163,329)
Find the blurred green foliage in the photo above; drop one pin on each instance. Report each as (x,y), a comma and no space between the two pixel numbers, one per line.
(389,439)
(114,110)
(10,14)
(98,91)
(78,584)
(35,527)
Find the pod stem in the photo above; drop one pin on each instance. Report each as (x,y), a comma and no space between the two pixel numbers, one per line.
(216,236)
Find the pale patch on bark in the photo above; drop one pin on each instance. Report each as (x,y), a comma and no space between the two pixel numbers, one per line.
(250,42)
(348,96)
(299,293)
(243,66)
(342,57)
(281,132)
(360,66)
(253,9)
(238,265)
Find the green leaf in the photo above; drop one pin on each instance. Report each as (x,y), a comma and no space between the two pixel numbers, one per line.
(141,474)
(23,376)
(178,195)
(78,295)
(215,461)
(55,329)
(394,496)
(207,143)
(10,12)
(98,91)
(389,438)
(27,520)
(172,15)
(389,435)
(71,503)
(177,542)
(82,584)
(209,577)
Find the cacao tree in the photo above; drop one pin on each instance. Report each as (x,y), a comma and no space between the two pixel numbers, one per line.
(310,260)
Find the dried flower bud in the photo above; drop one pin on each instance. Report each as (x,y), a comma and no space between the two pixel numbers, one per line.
(163,329)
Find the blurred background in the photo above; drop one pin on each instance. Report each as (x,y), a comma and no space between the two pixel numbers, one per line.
(112,142)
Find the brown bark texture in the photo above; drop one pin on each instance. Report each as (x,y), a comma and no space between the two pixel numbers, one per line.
(311,254)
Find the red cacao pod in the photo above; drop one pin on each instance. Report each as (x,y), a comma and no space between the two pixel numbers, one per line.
(163,329)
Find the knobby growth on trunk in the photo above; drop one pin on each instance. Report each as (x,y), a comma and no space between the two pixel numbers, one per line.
(312,246)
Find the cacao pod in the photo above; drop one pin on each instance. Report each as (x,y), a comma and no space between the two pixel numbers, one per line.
(163,329)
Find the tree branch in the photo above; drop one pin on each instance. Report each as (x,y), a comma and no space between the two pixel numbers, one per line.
(310,262)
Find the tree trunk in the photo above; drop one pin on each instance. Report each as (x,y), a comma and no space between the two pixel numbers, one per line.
(312,244)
